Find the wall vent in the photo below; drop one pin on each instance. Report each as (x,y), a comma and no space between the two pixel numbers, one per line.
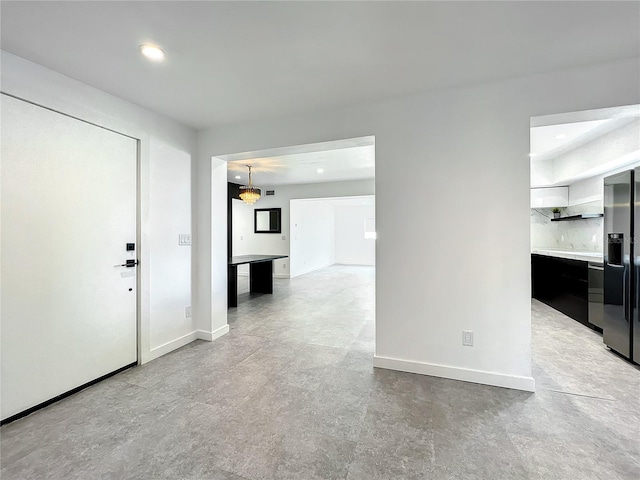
(270,192)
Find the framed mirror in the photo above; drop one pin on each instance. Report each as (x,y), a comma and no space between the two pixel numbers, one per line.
(267,220)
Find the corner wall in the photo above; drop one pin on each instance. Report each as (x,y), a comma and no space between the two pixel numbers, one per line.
(467,152)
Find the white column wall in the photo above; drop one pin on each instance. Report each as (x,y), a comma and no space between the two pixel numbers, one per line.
(453,250)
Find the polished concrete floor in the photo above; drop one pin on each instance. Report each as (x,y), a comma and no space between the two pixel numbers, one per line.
(290,393)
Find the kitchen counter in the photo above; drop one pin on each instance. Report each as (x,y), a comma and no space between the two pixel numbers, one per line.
(593,257)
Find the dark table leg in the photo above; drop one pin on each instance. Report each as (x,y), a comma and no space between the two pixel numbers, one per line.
(232,286)
(261,277)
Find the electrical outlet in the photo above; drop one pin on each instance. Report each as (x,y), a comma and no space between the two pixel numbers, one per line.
(184,239)
(187,312)
(467,338)
(284,237)
(284,265)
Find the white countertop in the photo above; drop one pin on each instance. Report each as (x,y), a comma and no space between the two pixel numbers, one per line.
(593,257)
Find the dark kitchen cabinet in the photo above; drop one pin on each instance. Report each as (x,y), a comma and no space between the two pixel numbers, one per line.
(562,284)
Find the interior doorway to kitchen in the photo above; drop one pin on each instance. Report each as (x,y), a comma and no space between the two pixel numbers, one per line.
(582,209)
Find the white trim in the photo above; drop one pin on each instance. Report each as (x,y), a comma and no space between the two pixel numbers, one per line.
(312,270)
(171,346)
(211,336)
(356,264)
(186,339)
(528,384)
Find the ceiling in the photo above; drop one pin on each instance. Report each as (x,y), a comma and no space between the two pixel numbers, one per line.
(335,165)
(231,62)
(550,141)
(604,141)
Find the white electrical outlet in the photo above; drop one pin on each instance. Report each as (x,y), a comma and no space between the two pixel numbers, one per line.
(467,338)
(187,311)
(284,237)
(284,265)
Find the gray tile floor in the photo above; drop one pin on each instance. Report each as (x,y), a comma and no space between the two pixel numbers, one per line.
(290,393)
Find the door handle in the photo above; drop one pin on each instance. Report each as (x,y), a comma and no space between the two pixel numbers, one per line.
(625,296)
(129,264)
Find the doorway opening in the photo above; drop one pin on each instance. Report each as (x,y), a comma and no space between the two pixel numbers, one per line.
(582,213)
(320,199)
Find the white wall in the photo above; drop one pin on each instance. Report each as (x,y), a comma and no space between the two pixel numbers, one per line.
(243,241)
(587,190)
(170,268)
(166,150)
(351,246)
(467,149)
(312,231)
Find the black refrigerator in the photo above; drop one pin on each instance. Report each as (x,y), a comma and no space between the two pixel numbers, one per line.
(622,264)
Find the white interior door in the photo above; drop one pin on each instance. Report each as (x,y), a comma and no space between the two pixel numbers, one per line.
(68,211)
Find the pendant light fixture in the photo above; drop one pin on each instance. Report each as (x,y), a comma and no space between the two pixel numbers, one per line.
(248,193)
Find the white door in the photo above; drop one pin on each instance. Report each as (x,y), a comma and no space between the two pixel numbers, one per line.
(68,210)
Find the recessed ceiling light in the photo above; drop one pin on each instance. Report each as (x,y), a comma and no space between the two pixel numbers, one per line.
(561,136)
(238,177)
(320,170)
(152,52)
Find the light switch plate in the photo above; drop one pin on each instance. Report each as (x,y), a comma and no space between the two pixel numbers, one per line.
(184,239)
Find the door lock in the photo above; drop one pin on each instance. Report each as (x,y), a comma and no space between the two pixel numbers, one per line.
(130,264)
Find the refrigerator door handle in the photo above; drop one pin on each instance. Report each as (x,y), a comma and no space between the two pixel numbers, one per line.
(625,294)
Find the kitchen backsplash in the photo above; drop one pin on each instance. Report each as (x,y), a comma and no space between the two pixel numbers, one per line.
(572,235)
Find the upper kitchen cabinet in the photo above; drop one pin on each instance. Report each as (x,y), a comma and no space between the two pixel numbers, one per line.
(550,197)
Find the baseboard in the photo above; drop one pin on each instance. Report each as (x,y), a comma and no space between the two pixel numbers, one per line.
(515,382)
(211,336)
(356,264)
(186,339)
(171,346)
(315,269)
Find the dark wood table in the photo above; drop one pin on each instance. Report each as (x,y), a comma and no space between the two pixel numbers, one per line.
(260,275)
